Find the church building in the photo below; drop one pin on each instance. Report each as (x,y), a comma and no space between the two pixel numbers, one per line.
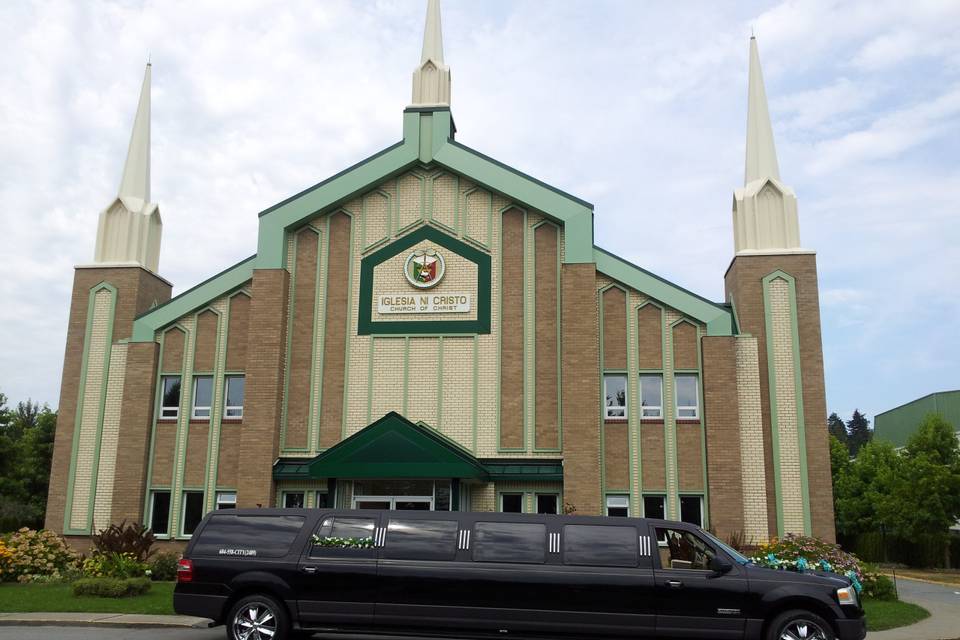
(433,329)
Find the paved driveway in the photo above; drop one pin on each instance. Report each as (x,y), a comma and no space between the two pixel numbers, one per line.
(943,603)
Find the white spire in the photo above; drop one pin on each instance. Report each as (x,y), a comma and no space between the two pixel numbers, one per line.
(764,209)
(761,152)
(431,80)
(129,230)
(136,172)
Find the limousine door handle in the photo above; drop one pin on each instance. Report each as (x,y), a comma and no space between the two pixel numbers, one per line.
(309,569)
(674,584)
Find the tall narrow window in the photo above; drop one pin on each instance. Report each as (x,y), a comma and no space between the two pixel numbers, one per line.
(170,397)
(233,402)
(202,397)
(651,396)
(618,506)
(192,511)
(691,509)
(160,513)
(615,394)
(688,403)
(655,507)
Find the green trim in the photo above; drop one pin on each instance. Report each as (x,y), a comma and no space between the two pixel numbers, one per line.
(319,338)
(351,255)
(798,393)
(366,326)
(717,318)
(147,324)
(217,407)
(68,529)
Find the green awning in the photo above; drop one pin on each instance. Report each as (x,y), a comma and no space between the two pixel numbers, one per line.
(394,447)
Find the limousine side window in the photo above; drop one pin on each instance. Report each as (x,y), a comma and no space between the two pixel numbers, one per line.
(600,546)
(248,536)
(421,539)
(680,549)
(509,542)
(347,531)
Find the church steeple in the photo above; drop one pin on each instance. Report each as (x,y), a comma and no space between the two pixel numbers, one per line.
(129,229)
(764,209)
(761,152)
(431,80)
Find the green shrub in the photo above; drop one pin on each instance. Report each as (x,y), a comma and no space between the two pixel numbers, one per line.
(35,553)
(133,539)
(111,587)
(164,566)
(877,586)
(114,565)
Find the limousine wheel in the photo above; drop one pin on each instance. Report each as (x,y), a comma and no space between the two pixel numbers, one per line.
(258,617)
(800,625)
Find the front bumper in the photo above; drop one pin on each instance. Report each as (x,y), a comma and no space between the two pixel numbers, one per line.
(852,628)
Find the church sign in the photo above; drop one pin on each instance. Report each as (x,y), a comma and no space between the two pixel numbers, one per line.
(424,303)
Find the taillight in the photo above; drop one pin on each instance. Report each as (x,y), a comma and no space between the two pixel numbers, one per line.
(184,570)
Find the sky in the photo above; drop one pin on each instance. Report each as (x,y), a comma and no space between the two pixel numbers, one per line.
(637,107)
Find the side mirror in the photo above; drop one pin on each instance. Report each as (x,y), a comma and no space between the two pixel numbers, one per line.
(720,565)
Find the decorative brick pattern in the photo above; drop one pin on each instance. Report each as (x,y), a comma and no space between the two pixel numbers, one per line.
(483,497)
(752,460)
(259,440)
(335,330)
(654,456)
(650,337)
(689,458)
(174,342)
(580,360)
(512,336)
(205,350)
(109,437)
(163,451)
(229,455)
(616,456)
(303,283)
(423,381)
(721,410)
(195,461)
(614,301)
(685,346)
(237,336)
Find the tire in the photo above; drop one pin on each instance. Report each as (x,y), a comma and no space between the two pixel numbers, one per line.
(799,625)
(255,613)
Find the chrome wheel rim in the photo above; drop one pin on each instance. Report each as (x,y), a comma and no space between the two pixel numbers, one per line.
(803,630)
(256,621)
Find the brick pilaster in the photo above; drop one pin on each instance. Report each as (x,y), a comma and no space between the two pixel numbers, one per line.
(266,353)
(580,358)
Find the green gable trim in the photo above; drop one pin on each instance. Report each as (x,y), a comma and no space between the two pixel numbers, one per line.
(717,318)
(365,324)
(394,447)
(146,325)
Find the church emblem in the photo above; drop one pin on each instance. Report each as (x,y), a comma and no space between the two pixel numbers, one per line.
(424,268)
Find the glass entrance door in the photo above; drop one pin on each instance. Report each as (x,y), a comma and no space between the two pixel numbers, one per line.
(401,494)
(398,503)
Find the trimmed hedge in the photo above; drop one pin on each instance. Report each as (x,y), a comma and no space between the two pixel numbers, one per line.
(111,587)
(920,551)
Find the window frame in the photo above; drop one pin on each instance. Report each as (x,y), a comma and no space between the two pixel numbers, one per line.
(523,501)
(292,492)
(547,494)
(163,389)
(616,496)
(218,501)
(227,408)
(193,399)
(183,510)
(663,499)
(699,496)
(626,402)
(316,499)
(696,394)
(153,493)
(644,408)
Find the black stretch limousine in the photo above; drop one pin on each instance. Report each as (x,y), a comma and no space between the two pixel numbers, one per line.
(285,573)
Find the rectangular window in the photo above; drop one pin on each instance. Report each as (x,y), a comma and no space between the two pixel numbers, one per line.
(351,528)
(170,397)
(691,509)
(547,502)
(655,507)
(227,535)
(160,513)
(202,396)
(421,539)
(233,399)
(688,403)
(681,549)
(618,506)
(615,394)
(192,511)
(511,502)
(510,542)
(600,546)
(293,499)
(322,500)
(226,500)
(651,396)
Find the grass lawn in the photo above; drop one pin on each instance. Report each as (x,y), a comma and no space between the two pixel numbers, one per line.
(23,598)
(883,614)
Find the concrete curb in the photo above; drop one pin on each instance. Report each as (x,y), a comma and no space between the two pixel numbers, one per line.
(954,585)
(112,620)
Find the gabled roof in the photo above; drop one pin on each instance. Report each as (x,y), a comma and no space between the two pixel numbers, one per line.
(394,447)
